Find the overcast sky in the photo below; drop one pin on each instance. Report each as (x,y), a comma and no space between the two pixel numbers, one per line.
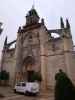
(12,14)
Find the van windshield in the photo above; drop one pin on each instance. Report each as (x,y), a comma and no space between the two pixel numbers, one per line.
(18,84)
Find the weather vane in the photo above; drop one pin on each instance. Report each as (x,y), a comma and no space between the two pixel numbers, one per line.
(33,6)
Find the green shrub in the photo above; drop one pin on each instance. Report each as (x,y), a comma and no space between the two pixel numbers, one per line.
(4,75)
(64,88)
(36,77)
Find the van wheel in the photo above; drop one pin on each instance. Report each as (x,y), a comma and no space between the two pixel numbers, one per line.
(27,93)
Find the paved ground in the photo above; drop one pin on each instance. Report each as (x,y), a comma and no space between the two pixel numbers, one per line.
(10,95)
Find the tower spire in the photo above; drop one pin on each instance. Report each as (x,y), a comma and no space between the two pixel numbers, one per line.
(33,5)
(61,22)
(67,24)
(5,42)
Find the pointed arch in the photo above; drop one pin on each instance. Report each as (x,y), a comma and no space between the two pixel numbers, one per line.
(29,60)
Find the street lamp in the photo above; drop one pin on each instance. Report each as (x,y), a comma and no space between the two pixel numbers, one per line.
(1,28)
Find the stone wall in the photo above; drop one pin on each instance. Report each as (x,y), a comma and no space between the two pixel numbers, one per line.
(9,63)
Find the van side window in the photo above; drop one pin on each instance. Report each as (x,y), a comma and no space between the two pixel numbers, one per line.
(23,84)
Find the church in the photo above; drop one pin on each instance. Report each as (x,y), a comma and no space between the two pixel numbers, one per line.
(37,50)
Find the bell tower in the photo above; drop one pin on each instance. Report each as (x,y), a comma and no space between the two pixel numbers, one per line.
(32,17)
(26,36)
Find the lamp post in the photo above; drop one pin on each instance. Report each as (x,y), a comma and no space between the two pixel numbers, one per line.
(1,28)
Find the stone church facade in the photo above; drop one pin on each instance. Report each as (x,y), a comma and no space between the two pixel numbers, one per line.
(39,51)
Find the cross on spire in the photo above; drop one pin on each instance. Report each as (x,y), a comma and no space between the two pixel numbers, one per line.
(33,6)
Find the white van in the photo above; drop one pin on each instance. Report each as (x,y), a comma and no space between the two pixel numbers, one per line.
(27,87)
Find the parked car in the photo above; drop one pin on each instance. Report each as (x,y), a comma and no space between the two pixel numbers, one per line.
(27,87)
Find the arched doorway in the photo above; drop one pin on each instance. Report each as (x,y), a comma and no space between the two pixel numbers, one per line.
(28,68)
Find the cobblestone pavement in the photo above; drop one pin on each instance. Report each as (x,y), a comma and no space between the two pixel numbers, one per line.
(10,95)
(20,97)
